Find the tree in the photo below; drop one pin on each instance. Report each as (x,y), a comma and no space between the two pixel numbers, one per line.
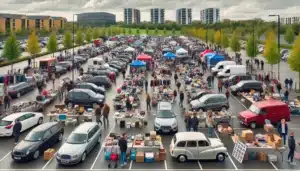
(218,37)
(294,58)
(79,37)
(211,36)
(147,30)
(289,35)
(251,48)
(271,51)
(234,43)
(109,31)
(33,46)
(96,33)
(165,31)
(88,35)
(137,31)
(156,31)
(52,43)
(68,41)
(130,31)
(11,49)
(225,41)
(173,31)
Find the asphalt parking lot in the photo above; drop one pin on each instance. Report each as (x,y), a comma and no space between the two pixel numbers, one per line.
(95,160)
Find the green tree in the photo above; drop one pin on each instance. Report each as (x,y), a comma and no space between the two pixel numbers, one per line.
(11,49)
(109,31)
(225,41)
(234,43)
(165,31)
(156,31)
(147,30)
(68,41)
(52,44)
(96,33)
(79,37)
(289,35)
(271,51)
(294,58)
(218,37)
(173,31)
(33,46)
(88,35)
(130,31)
(211,36)
(251,48)
(137,31)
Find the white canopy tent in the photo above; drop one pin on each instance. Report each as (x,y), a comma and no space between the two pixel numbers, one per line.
(181,53)
(129,49)
(173,43)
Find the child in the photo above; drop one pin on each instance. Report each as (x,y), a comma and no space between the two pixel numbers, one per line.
(114,151)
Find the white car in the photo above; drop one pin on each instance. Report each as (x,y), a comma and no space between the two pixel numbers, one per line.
(196,146)
(165,119)
(27,119)
(80,142)
(261,49)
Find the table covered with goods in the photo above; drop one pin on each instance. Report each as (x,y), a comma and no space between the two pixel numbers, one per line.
(253,96)
(130,119)
(262,147)
(27,106)
(45,100)
(162,93)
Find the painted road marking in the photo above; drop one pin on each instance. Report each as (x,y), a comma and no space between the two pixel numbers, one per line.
(4,156)
(199,164)
(49,161)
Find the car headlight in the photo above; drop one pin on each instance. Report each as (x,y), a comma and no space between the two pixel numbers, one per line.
(174,124)
(58,155)
(75,156)
(157,124)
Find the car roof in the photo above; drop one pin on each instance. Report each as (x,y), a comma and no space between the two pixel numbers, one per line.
(214,95)
(44,126)
(14,116)
(84,127)
(164,106)
(250,81)
(190,136)
(81,90)
(269,103)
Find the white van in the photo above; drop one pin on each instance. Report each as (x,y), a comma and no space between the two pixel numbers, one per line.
(232,70)
(97,62)
(221,65)
(196,146)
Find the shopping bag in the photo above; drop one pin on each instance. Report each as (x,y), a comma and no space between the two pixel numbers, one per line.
(297,155)
(107,155)
(113,157)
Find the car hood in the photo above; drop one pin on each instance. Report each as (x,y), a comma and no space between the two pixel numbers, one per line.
(215,143)
(247,114)
(100,96)
(70,149)
(25,145)
(195,103)
(165,121)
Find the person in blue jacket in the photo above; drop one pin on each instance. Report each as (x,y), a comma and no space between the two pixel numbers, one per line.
(283,130)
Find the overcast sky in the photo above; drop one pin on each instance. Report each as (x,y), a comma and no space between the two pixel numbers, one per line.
(230,9)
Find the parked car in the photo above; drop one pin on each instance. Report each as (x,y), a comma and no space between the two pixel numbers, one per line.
(215,102)
(91,86)
(59,70)
(261,49)
(81,59)
(196,146)
(234,79)
(119,68)
(246,86)
(37,141)
(66,64)
(84,97)
(83,78)
(199,94)
(27,119)
(80,142)
(272,110)
(98,73)
(100,81)
(19,89)
(165,119)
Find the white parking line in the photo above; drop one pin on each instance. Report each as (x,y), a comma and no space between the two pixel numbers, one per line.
(166,166)
(4,156)
(199,164)
(130,165)
(239,101)
(273,165)
(101,148)
(49,161)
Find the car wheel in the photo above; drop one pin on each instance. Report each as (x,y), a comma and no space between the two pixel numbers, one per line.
(182,158)
(40,121)
(224,108)
(60,137)
(36,154)
(70,104)
(201,110)
(83,157)
(253,125)
(220,157)
(19,95)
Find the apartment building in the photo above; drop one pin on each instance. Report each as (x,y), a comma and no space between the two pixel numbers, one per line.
(132,15)
(210,15)
(184,16)
(12,22)
(289,20)
(157,15)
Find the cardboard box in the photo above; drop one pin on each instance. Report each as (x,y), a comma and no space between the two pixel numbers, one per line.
(162,155)
(262,156)
(156,157)
(153,134)
(248,135)
(278,141)
(140,157)
(48,154)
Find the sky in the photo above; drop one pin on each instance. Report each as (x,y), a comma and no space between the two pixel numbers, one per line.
(229,9)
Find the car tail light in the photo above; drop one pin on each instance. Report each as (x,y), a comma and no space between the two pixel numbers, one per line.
(9,126)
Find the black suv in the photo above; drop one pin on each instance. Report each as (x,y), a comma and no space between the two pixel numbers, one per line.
(234,79)
(246,86)
(84,97)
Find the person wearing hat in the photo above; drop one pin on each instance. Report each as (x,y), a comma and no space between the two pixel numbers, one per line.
(292,147)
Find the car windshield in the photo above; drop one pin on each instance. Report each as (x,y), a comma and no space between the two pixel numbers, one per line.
(34,136)
(239,84)
(254,109)
(203,99)
(165,114)
(77,139)
(5,123)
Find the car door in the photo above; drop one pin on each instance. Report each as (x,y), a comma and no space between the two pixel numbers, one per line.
(210,103)
(31,119)
(46,140)
(24,122)
(55,134)
(192,152)
(90,141)
(96,130)
(205,151)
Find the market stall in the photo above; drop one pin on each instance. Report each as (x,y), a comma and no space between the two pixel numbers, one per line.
(119,101)
(129,49)
(27,106)
(130,119)
(169,55)
(205,52)
(166,50)
(162,93)
(144,57)
(252,97)
(48,98)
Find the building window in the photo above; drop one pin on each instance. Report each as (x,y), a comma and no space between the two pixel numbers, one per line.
(61,24)
(38,23)
(14,24)
(7,24)
(23,23)
(50,23)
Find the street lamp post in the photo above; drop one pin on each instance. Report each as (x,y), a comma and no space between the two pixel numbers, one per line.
(73,47)
(278,40)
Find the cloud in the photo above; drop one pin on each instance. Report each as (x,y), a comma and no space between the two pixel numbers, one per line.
(232,9)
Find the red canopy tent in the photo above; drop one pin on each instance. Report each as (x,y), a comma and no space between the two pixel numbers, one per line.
(144,57)
(205,52)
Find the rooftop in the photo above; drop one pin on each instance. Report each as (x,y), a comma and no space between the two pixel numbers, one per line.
(84,127)
(267,103)
(190,136)
(34,17)
(14,16)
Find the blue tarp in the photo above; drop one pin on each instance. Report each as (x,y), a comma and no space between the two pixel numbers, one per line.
(214,59)
(137,64)
(169,55)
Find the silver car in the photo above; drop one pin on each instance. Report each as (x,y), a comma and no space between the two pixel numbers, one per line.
(80,142)
(165,119)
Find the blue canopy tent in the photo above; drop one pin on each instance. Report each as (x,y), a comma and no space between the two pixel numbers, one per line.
(137,64)
(214,59)
(169,55)
(165,50)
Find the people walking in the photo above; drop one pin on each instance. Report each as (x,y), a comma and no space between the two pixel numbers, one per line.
(17,130)
(220,85)
(146,85)
(53,80)
(123,73)
(210,123)
(292,147)
(148,101)
(262,64)
(227,93)
(193,123)
(123,149)
(286,83)
(175,77)
(98,114)
(174,95)
(7,99)
(106,110)
(286,95)
(283,130)
(181,97)
(278,86)
(128,104)
(178,85)
(291,83)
